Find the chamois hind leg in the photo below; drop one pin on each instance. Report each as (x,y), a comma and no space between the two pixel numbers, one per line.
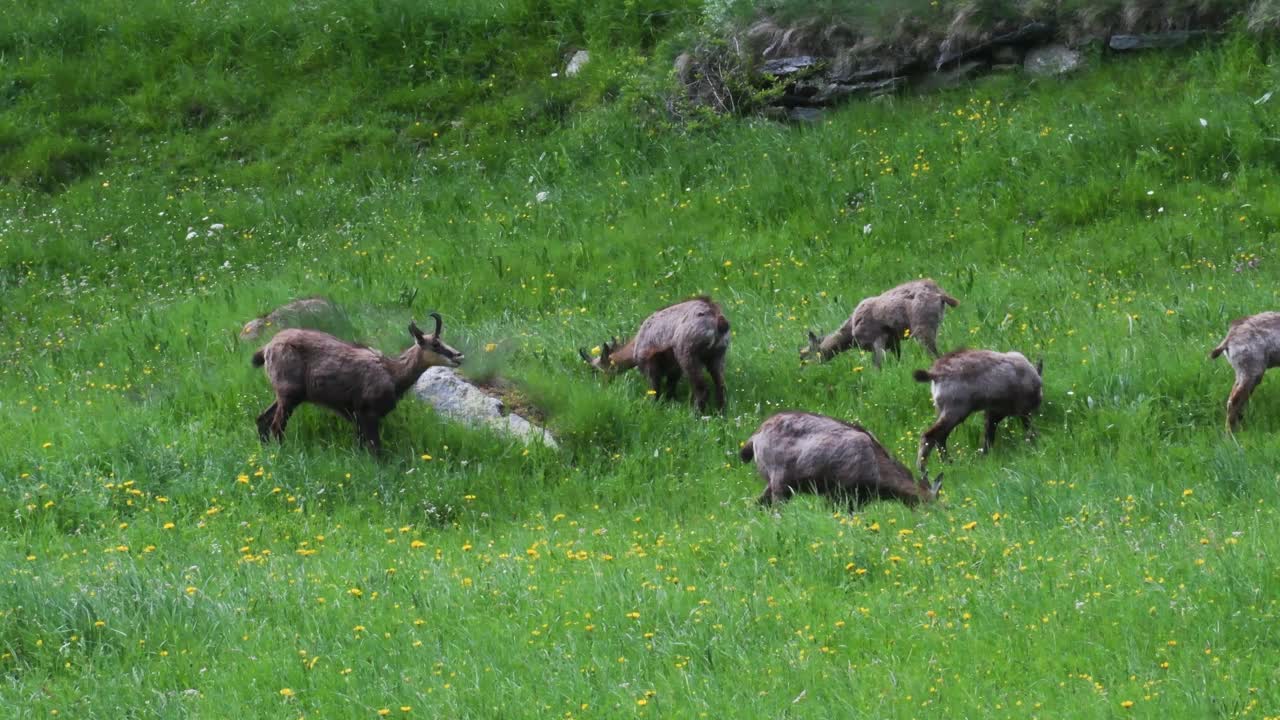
(691,367)
(877,349)
(927,336)
(285,405)
(936,435)
(1246,382)
(264,421)
(989,436)
(925,316)
(775,493)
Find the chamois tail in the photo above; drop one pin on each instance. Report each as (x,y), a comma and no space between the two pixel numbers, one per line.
(922,376)
(259,359)
(950,300)
(748,451)
(1214,353)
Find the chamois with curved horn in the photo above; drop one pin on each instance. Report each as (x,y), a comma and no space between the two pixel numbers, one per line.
(357,382)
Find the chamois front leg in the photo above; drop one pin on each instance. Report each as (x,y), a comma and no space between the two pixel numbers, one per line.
(264,421)
(654,374)
(716,367)
(693,369)
(367,431)
(1029,430)
(673,382)
(989,436)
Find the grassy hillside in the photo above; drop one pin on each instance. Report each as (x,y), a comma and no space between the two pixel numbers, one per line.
(158,561)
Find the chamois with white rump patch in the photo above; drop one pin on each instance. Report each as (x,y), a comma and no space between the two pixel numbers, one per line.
(686,338)
(967,381)
(805,452)
(357,382)
(880,322)
(1252,346)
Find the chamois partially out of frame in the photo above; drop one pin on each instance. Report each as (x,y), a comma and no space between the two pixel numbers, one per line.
(1252,346)
(359,383)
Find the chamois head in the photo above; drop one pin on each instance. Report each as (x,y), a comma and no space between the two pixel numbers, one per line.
(933,488)
(814,348)
(430,350)
(604,363)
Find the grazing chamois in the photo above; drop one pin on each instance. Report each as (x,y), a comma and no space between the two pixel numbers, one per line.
(298,313)
(359,383)
(803,452)
(682,338)
(1252,346)
(878,323)
(967,381)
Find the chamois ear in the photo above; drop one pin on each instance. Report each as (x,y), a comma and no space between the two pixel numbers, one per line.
(605,350)
(415,332)
(1040,367)
(813,337)
(586,356)
(439,324)
(936,487)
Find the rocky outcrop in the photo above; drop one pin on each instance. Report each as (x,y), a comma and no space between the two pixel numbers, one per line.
(455,398)
(819,72)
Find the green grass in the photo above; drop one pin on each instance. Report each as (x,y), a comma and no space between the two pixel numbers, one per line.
(158,561)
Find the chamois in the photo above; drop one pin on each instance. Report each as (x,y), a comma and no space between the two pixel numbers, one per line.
(804,452)
(1252,346)
(879,322)
(296,313)
(680,339)
(967,381)
(359,383)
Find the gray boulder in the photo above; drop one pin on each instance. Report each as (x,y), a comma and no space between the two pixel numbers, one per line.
(1052,60)
(1155,41)
(455,398)
(577,62)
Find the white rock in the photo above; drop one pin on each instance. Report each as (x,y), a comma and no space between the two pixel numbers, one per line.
(579,59)
(459,400)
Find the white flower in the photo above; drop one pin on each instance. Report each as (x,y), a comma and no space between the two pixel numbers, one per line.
(542,196)
(1204,123)
(866,229)
(192,234)
(216,227)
